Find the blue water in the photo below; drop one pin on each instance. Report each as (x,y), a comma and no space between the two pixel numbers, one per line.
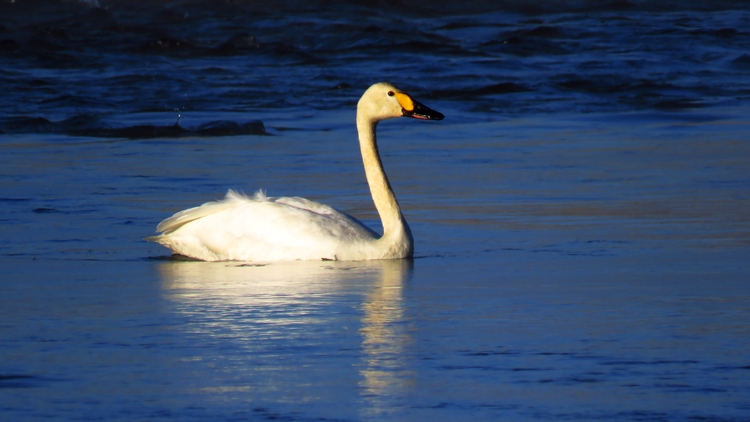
(580,216)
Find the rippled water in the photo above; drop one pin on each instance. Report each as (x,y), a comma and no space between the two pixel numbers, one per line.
(580,216)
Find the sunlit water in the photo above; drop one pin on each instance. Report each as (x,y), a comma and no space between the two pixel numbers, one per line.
(582,246)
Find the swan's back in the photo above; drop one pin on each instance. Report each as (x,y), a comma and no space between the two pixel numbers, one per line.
(265,229)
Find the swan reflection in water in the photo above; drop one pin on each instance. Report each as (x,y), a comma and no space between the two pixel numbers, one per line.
(315,322)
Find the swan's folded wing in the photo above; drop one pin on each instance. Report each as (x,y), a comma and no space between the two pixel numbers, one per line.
(327,219)
(293,222)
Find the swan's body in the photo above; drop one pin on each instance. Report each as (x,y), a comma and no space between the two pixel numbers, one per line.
(282,229)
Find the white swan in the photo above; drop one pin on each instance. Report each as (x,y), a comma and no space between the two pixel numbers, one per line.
(283,229)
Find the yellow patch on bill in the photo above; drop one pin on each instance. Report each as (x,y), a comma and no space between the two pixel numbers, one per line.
(405,101)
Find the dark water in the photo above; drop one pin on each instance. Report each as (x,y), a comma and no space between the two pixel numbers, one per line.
(581,215)
(74,68)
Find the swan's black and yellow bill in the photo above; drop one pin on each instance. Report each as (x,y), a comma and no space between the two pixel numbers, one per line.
(415,109)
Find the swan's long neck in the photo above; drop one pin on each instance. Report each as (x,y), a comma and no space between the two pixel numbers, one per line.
(395,230)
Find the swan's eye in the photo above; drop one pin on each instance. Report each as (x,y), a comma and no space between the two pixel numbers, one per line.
(391,94)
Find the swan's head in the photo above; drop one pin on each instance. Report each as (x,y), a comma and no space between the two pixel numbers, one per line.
(384,101)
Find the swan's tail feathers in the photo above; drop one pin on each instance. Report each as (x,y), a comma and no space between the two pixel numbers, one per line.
(183,217)
(161,239)
(155,239)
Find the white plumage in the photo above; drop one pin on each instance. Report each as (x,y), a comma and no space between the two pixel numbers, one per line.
(292,228)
